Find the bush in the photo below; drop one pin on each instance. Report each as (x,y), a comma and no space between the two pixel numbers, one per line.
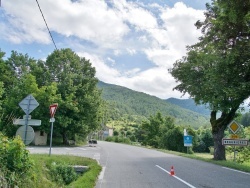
(211,150)
(243,153)
(109,139)
(62,173)
(201,147)
(173,140)
(118,139)
(15,162)
(3,181)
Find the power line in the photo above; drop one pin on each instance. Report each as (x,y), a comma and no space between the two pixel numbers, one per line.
(46,24)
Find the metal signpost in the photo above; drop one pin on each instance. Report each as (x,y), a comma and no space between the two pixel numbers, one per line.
(52,108)
(188,141)
(234,127)
(28,104)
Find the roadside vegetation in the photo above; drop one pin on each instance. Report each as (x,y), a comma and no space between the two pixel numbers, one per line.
(18,168)
(207,157)
(57,171)
(215,72)
(216,69)
(163,134)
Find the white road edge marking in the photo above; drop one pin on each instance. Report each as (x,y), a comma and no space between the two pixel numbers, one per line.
(102,173)
(188,184)
(236,170)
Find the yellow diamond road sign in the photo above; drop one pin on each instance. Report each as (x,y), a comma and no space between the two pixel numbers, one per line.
(234,127)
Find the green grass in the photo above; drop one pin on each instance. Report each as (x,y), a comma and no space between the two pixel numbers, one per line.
(209,158)
(42,177)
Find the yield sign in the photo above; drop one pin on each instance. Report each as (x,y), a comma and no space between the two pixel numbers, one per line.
(53,108)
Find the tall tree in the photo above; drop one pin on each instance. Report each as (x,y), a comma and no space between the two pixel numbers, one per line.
(152,130)
(245,120)
(1,94)
(216,70)
(7,74)
(76,83)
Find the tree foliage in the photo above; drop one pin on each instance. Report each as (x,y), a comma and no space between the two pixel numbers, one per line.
(160,132)
(64,78)
(15,162)
(76,84)
(123,103)
(245,120)
(216,70)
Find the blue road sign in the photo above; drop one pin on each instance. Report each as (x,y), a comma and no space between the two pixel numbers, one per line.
(188,140)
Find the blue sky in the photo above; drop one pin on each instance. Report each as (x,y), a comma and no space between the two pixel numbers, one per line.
(130,43)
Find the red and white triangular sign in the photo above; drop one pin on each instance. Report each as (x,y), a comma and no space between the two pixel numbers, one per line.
(52,109)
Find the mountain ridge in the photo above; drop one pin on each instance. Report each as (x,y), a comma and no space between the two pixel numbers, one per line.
(190,104)
(124,101)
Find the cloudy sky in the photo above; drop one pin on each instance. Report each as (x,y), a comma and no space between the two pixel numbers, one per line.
(131,43)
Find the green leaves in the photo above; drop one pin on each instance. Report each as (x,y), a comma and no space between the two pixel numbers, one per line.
(64,78)
(216,70)
(15,161)
(76,84)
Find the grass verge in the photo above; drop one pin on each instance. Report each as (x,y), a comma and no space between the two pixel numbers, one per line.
(42,176)
(209,158)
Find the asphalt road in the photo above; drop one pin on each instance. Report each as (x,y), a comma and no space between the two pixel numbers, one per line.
(127,166)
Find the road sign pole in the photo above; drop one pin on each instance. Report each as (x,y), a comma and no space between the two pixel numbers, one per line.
(51,132)
(52,108)
(26,120)
(28,104)
(234,154)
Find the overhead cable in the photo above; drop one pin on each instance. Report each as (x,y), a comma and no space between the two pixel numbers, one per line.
(46,24)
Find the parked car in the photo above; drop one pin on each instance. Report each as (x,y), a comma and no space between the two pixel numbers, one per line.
(92,143)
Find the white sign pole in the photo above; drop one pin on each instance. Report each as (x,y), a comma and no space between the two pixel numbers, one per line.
(53,108)
(51,132)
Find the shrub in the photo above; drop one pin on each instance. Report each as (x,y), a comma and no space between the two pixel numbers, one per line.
(3,181)
(109,139)
(14,160)
(62,173)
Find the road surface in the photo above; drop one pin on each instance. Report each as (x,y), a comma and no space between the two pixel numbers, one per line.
(126,166)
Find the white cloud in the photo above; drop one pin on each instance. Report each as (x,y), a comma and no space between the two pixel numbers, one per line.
(24,24)
(131,51)
(132,73)
(135,15)
(179,32)
(101,26)
(103,72)
(102,29)
(155,81)
(111,60)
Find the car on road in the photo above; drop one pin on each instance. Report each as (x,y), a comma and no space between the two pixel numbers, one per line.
(92,143)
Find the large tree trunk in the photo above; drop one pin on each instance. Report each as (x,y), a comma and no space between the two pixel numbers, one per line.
(218,127)
(65,138)
(219,149)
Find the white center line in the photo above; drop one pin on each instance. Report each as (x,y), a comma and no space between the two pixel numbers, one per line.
(188,184)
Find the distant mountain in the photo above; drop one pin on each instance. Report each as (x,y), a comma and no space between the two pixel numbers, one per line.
(132,105)
(190,105)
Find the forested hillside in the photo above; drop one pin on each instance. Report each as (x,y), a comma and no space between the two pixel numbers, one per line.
(190,104)
(124,103)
